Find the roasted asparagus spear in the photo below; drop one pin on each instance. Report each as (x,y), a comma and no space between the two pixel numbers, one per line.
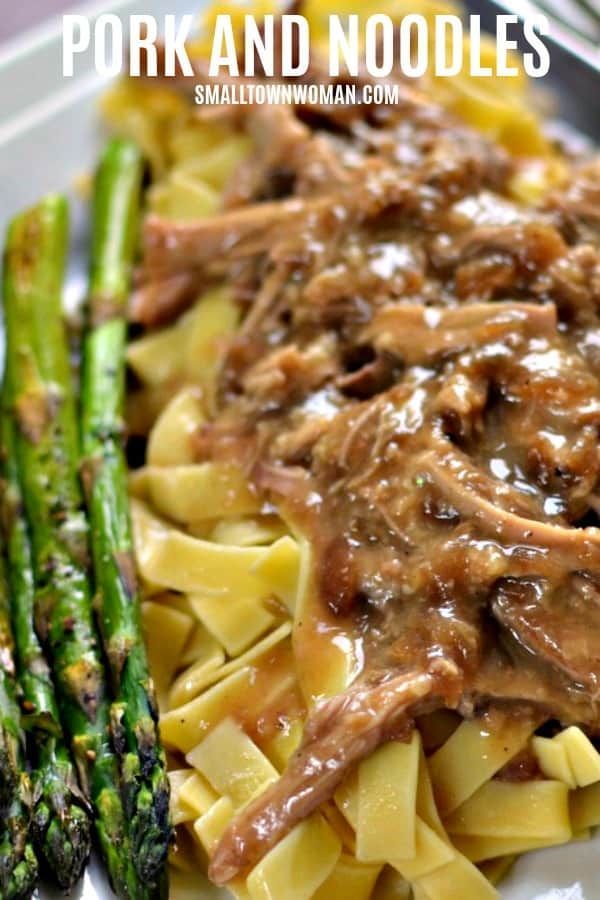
(60,816)
(115,221)
(10,727)
(18,865)
(43,405)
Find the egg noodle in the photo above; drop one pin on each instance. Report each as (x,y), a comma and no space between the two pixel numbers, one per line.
(225,580)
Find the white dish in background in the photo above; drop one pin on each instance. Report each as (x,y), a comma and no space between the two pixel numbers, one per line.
(50,133)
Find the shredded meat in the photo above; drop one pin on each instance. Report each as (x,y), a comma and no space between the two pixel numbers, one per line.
(522,684)
(559,624)
(462,488)
(375,188)
(577,209)
(415,385)
(157,302)
(341,730)
(419,334)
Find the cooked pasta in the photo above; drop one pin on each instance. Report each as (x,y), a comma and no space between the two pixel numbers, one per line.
(231,594)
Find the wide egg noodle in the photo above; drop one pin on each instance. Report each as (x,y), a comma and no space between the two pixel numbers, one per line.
(230,606)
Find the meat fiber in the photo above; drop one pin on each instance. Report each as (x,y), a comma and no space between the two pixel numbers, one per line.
(415,386)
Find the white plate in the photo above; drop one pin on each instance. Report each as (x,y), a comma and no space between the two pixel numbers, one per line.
(50,133)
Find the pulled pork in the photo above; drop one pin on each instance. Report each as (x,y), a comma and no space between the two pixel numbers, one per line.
(416,386)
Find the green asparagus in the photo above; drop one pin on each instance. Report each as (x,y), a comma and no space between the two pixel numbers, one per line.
(43,406)
(143,771)
(18,865)
(10,729)
(60,820)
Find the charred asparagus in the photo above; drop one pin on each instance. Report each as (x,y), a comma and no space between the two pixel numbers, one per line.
(18,865)
(60,819)
(145,785)
(43,406)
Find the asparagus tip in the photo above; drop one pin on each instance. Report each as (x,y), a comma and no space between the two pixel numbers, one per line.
(62,837)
